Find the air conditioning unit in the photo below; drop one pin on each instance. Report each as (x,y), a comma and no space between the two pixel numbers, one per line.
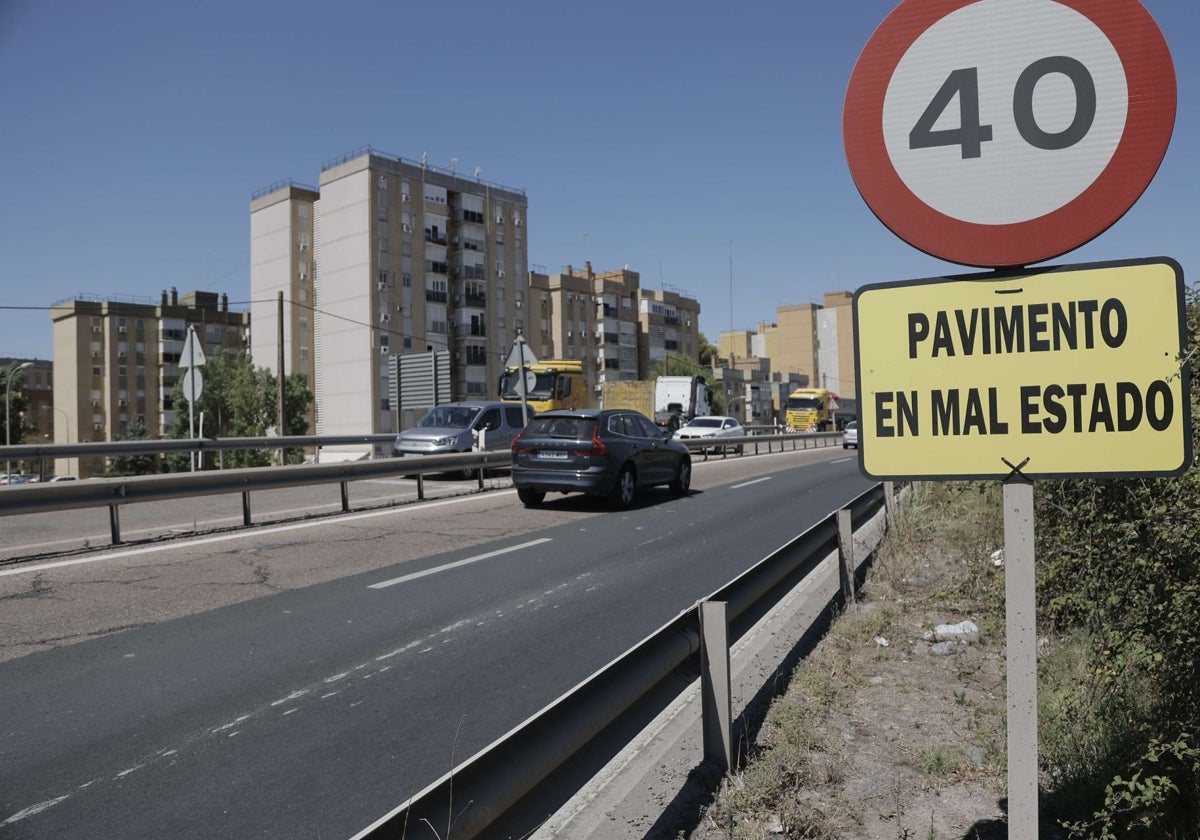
(383,285)
(517,221)
(122,329)
(499,218)
(407,228)
(97,329)
(98,427)
(405,198)
(122,403)
(500,273)
(385,317)
(95,354)
(383,349)
(95,403)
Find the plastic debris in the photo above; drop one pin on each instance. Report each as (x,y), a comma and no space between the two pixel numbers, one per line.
(998,557)
(881,641)
(964,631)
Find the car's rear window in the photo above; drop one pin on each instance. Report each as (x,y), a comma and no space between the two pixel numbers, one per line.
(567,428)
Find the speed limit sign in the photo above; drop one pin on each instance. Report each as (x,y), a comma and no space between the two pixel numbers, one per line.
(1006,132)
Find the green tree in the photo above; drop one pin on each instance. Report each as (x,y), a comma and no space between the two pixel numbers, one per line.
(141,464)
(240,400)
(708,352)
(1119,571)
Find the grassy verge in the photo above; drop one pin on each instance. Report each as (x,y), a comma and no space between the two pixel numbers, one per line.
(876,737)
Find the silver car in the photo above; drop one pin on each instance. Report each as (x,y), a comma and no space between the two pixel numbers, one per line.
(462,427)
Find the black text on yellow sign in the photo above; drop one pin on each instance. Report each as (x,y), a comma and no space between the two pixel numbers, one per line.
(1069,371)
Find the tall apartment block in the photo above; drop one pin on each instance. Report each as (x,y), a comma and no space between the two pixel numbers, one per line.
(281,266)
(397,257)
(607,320)
(115,360)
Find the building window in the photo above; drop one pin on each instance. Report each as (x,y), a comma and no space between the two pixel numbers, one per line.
(302,239)
(302,211)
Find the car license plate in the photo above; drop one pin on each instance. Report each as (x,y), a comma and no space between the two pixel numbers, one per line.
(552,455)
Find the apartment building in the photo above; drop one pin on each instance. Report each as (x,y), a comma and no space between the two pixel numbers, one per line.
(30,397)
(808,342)
(115,360)
(282,240)
(608,320)
(405,258)
(669,325)
(587,315)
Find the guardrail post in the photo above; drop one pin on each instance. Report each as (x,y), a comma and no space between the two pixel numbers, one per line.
(420,487)
(716,696)
(114,523)
(246,508)
(889,502)
(846,555)
(480,477)
(345,485)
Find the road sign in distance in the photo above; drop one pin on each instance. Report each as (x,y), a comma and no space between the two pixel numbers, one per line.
(1007,132)
(1068,371)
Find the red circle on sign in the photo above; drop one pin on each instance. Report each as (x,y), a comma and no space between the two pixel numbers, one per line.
(1150,79)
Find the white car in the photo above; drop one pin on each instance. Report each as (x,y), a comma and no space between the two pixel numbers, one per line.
(711,426)
(850,435)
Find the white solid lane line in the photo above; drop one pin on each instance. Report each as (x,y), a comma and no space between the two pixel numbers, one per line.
(748,483)
(457,563)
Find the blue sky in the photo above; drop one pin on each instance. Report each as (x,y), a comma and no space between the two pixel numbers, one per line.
(699,143)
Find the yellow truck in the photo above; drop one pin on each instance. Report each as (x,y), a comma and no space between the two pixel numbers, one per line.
(811,409)
(549,384)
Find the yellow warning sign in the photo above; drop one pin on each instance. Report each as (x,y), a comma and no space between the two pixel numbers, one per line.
(1069,371)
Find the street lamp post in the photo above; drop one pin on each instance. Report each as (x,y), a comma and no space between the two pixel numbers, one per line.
(12,369)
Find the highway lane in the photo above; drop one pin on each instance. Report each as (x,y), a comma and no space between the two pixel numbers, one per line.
(315,710)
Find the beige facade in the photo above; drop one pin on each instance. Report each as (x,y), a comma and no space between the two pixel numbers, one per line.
(282,238)
(608,320)
(118,360)
(796,342)
(669,325)
(406,258)
(31,400)
(809,345)
(836,340)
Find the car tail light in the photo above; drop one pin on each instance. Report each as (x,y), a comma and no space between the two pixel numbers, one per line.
(598,446)
(519,450)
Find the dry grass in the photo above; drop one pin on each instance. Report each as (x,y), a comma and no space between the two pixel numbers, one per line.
(878,742)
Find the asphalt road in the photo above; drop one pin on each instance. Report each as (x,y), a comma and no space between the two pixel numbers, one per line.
(302,679)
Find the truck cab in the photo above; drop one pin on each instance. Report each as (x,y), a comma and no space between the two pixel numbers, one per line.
(549,385)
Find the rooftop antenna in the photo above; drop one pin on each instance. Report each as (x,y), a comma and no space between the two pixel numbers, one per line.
(453,163)
(424,155)
(478,169)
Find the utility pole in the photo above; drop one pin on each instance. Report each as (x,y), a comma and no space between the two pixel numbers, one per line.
(281,427)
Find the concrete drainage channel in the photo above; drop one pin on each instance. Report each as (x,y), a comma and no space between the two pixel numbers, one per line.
(633,750)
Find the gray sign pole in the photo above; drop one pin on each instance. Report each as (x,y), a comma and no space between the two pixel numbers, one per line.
(1021,659)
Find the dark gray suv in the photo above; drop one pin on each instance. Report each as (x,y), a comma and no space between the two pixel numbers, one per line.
(611,453)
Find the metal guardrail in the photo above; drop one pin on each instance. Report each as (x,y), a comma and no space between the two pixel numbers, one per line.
(112,493)
(472,797)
